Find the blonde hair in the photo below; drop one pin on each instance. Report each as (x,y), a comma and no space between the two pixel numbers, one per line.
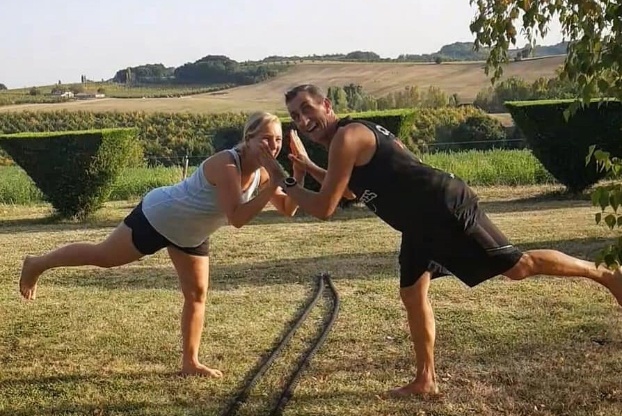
(256,123)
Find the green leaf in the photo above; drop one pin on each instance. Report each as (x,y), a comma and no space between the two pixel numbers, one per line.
(603,201)
(588,158)
(601,155)
(610,220)
(596,195)
(610,259)
(614,201)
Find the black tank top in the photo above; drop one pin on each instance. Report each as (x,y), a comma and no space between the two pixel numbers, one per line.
(402,190)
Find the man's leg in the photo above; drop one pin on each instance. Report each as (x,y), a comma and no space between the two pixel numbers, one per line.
(540,262)
(423,334)
(556,263)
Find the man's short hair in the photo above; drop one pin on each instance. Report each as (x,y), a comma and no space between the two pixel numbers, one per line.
(313,90)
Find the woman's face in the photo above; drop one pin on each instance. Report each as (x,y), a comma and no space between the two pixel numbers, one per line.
(271,136)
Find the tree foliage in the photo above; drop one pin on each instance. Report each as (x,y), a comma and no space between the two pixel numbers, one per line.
(593,62)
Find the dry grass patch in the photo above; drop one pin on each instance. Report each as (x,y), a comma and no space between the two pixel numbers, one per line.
(107,341)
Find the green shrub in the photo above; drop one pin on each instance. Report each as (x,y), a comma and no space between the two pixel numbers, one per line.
(165,137)
(478,168)
(480,132)
(562,146)
(75,170)
(431,125)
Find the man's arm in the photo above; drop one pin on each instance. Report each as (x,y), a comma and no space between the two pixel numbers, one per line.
(283,203)
(319,174)
(300,158)
(342,155)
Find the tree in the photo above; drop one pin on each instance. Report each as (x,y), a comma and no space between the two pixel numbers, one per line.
(593,63)
(3,87)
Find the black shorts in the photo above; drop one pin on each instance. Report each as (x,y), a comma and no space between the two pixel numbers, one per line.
(466,244)
(148,240)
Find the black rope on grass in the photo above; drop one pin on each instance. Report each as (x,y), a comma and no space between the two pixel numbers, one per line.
(263,366)
(288,391)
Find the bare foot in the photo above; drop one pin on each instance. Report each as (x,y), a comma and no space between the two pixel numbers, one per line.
(615,285)
(200,370)
(415,388)
(28,279)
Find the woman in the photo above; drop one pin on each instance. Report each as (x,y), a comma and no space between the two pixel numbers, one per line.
(181,218)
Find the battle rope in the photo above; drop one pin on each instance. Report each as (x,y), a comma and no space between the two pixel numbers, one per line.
(263,367)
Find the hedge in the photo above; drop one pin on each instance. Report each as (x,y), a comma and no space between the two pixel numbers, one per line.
(562,146)
(75,170)
(167,138)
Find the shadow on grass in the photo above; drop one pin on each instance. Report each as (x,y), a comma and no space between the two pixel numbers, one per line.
(225,276)
(547,201)
(213,402)
(178,403)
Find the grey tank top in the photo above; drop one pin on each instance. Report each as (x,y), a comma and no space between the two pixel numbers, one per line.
(187,213)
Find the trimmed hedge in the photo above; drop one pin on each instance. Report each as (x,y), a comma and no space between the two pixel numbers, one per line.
(562,146)
(168,137)
(75,170)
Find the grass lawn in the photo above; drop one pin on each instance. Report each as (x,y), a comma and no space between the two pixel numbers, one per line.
(107,342)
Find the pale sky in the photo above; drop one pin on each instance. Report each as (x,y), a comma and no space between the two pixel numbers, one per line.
(43,41)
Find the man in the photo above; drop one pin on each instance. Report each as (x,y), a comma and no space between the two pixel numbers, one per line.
(444,231)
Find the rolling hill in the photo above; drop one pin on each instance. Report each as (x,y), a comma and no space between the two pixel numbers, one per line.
(464,78)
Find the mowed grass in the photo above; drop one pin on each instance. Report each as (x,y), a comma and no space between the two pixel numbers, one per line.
(106,341)
(497,167)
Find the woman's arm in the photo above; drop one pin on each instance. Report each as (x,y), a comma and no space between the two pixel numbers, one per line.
(225,176)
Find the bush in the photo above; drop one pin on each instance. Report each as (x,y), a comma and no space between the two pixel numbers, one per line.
(562,146)
(479,132)
(75,170)
(165,137)
(431,125)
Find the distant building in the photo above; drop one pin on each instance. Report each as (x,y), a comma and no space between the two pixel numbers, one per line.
(63,94)
(89,95)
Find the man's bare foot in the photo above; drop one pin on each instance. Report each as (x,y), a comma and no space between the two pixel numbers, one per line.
(416,388)
(200,370)
(28,279)
(615,285)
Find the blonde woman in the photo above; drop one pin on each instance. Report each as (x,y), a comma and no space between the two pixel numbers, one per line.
(181,218)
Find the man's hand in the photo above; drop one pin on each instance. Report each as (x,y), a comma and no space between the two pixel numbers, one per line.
(299,156)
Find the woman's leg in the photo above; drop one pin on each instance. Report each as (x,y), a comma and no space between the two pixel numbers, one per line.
(116,250)
(193,272)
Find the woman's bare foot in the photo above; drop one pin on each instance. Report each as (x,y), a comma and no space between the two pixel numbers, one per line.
(199,369)
(28,279)
(415,388)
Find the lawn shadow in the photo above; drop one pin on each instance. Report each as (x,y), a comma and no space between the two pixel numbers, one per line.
(209,404)
(226,276)
(112,216)
(214,402)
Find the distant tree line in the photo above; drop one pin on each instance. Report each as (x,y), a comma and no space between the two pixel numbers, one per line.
(457,51)
(352,98)
(209,70)
(220,69)
(491,99)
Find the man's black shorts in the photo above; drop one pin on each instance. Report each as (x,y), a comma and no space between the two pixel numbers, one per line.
(148,240)
(466,244)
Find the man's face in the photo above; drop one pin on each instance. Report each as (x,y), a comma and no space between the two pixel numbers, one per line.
(310,115)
